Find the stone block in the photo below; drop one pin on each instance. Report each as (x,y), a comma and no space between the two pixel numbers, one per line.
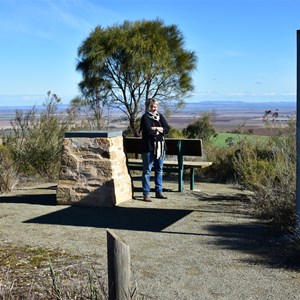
(93,170)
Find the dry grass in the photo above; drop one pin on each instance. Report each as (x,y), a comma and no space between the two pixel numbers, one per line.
(35,273)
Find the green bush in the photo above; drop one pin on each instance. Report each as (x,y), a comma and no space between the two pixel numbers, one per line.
(201,129)
(267,168)
(222,169)
(8,170)
(269,171)
(43,145)
(36,142)
(175,133)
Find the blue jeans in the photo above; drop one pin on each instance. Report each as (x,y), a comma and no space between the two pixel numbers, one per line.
(148,161)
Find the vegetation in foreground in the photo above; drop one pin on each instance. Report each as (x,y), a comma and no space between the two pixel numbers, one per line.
(35,273)
(267,167)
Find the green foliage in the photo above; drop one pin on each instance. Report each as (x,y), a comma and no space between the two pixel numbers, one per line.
(175,133)
(15,140)
(269,171)
(42,147)
(129,132)
(266,166)
(126,64)
(8,170)
(36,144)
(222,169)
(201,129)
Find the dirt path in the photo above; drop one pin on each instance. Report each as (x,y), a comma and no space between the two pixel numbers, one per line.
(195,245)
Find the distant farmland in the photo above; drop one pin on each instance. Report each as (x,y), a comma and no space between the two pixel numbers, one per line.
(234,116)
(229,116)
(223,139)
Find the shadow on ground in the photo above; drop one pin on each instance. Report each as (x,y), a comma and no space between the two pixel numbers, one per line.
(263,245)
(267,245)
(40,199)
(140,219)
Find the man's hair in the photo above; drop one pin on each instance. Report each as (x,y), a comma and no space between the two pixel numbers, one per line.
(150,102)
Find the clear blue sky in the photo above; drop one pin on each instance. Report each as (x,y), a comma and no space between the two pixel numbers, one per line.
(246,49)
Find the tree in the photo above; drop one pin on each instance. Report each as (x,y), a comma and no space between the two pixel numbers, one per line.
(201,129)
(126,64)
(96,93)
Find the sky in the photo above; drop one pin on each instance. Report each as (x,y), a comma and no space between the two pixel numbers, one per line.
(246,49)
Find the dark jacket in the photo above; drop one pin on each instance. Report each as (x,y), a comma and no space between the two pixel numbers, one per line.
(148,135)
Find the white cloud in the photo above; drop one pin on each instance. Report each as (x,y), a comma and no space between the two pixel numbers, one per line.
(42,18)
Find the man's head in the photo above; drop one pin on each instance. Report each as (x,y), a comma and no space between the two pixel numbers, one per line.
(152,105)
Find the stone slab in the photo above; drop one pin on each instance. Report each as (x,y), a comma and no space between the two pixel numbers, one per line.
(93,134)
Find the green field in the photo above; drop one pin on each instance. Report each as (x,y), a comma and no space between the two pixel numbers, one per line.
(223,138)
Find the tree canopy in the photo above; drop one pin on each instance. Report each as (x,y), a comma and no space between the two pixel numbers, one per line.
(126,64)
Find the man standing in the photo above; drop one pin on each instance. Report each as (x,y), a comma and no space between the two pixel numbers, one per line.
(153,127)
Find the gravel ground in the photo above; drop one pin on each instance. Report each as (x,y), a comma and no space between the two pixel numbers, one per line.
(194,245)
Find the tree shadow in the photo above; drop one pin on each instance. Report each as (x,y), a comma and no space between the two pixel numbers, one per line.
(266,246)
(224,204)
(219,197)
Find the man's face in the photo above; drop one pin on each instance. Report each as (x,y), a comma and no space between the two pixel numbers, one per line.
(154,108)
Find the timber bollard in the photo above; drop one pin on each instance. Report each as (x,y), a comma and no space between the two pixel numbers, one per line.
(118,261)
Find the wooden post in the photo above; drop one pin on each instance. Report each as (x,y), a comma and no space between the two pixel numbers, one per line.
(118,261)
(297,215)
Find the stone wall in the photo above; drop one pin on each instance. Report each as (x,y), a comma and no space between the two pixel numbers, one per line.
(93,170)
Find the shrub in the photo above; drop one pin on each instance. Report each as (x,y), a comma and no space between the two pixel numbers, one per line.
(128,131)
(175,133)
(36,142)
(8,170)
(222,169)
(201,129)
(269,171)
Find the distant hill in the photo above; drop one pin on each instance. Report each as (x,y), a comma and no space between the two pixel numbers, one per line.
(239,105)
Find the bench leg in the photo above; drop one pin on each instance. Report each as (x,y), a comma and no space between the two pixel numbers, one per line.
(180,181)
(192,176)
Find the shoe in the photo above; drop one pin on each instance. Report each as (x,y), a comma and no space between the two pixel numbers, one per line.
(147,199)
(160,196)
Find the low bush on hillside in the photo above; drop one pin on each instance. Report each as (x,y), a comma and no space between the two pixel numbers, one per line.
(33,146)
(200,129)
(269,171)
(222,170)
(8,170)
(266,167)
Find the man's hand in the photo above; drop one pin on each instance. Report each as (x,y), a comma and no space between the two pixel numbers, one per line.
(158,129)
